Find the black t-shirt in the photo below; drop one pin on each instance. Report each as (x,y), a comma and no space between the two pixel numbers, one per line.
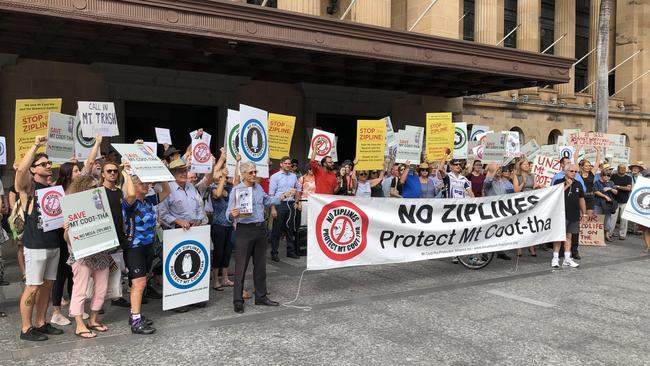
(589,182)
(622,196)
(572,197)
(34,237)
(115,203)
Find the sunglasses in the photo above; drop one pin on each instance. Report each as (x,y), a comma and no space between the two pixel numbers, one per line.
(455,164)
(252,172)
(363,174)
(572,171)
(111,171)
(43,164)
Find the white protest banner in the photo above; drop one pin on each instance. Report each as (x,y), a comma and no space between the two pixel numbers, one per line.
(90,223)
(60,144)
(3,150)
(186,258)
(253,138)
(391,138)
(460,140)
(231,140)
(544,168)
(638,206)
(477,130)
(570,134)
(618,155)
(512,144)
(49,200)
(409,146)
(201,155)
(98,118)
(592,230)
(495,148)
(145,164)
(565,152)
(323,142)
(354,231)
(82,145)
(530,150)
(163,136)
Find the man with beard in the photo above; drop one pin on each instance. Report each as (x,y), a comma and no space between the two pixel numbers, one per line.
(324,175)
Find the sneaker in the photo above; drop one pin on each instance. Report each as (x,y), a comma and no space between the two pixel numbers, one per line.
(47,328)
(143,319)
(141,328)
(555,263)
(569,262)
(59,319)
(85,316)
(151,293)
(121,302)
(33,335)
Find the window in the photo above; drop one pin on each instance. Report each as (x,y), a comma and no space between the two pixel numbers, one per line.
(582,44)
(547,25)
(553,137)
(521,134)
(510,22)
(468,21)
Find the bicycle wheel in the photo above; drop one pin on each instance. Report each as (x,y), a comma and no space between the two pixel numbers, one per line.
(476,261)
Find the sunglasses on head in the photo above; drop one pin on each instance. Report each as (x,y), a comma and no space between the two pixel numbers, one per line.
(43,164)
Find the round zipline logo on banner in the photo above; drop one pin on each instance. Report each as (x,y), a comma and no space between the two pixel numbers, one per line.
(85,142)
(186,264)
(640,201)
(342,230)
(51,203)
(322,144)
(460,138)
(566,152)
(201,152)
(253,140)
(233,141)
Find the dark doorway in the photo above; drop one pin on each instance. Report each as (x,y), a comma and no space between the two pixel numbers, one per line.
(345,128)
(181,119)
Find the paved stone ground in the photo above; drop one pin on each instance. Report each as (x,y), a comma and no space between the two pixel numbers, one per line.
(429,313)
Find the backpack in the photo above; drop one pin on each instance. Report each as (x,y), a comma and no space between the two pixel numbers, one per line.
(17,221)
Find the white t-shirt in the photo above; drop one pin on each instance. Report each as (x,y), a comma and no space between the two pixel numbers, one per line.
(363,189)
(458,185)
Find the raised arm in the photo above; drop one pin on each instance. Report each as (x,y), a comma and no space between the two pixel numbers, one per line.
(92,156)
(237,178)
(166,191)
(23,181)
(128,187)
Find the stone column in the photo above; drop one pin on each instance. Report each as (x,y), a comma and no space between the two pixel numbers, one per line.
(486,17)
(373,12)
(528,13)
(440,20)
(311,7)
(565,22)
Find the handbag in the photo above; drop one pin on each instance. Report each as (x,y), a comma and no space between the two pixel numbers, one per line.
(17,221)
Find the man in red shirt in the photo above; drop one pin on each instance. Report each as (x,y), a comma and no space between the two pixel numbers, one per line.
(324,174)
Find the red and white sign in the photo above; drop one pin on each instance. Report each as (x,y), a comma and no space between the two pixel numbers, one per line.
(342,229)
(323,142)
(49,203)
(201,156)
(544,168)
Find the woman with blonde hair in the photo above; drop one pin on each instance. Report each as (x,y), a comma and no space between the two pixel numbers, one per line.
(524,181)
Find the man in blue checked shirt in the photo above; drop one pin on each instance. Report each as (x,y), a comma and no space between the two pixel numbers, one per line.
(250,236)
(284,214)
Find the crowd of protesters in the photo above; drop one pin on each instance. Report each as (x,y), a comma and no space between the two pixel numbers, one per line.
(140,210)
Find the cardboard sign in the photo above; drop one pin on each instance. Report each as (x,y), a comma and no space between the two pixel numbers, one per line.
(3,151)
(477,130)
(280,134)
(31,121)
(90,223)
(439,135)
(253,138)
(82,145)
(231,142)
(409,146)
(618,155)
(98,118)
(146,165)
(592,230)
(201,155)
(544,168)
(163,136)
(60,141)
(530,150)
(244,201)
(186,259)
(460,140)
(49,201)
(323,142)
(495,148)
(371,144)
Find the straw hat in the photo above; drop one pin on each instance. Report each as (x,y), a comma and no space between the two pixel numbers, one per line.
(177,164)
(423,166)
(638,164)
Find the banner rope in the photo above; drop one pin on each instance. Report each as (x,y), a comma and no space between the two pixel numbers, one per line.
(288,304)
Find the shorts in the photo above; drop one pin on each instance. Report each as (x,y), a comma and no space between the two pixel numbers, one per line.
(138,260)
(573,227)
(41,265)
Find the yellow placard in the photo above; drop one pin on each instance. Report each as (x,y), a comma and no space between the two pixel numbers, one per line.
(280,134)
(440,135)
(371,141)
(31,121)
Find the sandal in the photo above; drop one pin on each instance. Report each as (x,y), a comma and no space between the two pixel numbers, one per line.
(81,334)
(218,288)
(228,283)
(99,327)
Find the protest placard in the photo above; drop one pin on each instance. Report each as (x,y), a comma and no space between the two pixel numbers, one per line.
(323,142)
(82,145)
(592,230)
(512,146)
(544,168)
(49,201)
(618,155)
(280,134)
(637,208)
(549,150)
(60,143)
(460,140)
(146,165)
(335,154)
(3,150)
(409,145)
(31,121)
(244,201)
(477,130)
(391,138)
(186,259)
(152,146)
(231,140)
(163,136)
(371,144)
(98,118)
(495,147)
(530,150)
(90,223)
(439,136)
(565,152)
(253,138)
